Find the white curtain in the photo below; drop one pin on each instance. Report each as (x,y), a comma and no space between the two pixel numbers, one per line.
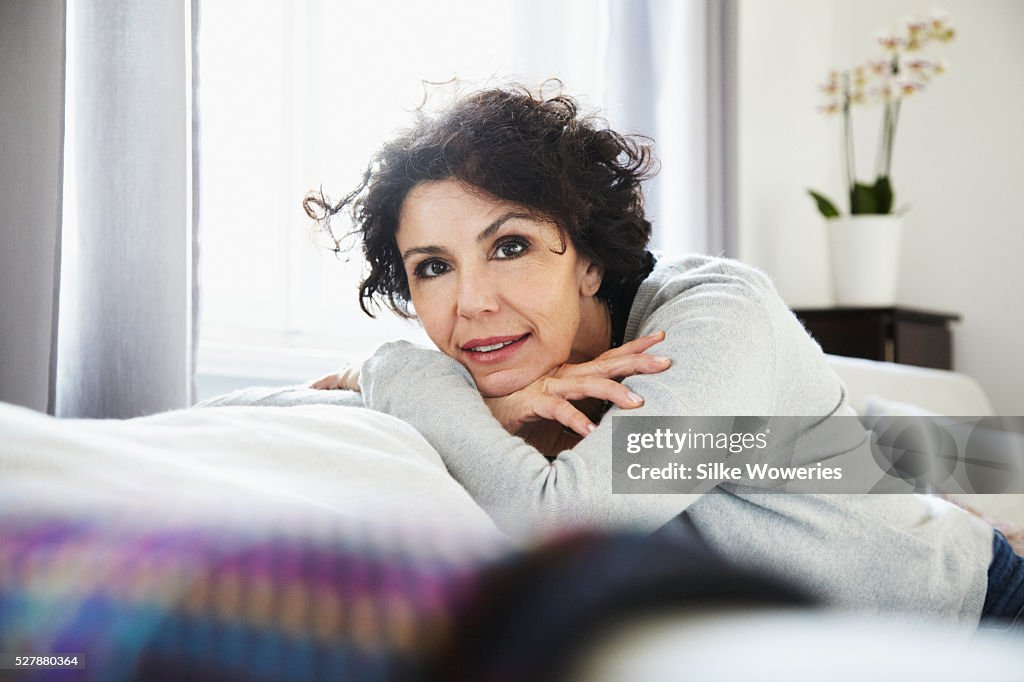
(669,75)
(125,322)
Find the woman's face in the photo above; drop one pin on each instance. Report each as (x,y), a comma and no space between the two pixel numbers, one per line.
(494,288)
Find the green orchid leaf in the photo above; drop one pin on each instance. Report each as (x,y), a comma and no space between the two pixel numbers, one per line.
(873,199)
(883,194)
(827,208)
(862,199)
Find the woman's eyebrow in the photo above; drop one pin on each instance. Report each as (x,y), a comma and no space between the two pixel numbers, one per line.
(485,234)
(494,226)
(427,250)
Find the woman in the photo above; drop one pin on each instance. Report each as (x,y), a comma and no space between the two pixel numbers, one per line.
(515,229)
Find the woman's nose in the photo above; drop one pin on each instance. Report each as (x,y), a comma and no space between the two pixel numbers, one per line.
(477,294)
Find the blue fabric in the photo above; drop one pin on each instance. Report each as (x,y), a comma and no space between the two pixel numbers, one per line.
(1004,600)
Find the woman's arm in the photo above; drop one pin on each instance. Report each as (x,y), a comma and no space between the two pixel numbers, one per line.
(721,342)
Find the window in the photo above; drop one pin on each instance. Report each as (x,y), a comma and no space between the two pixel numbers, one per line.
(297,95)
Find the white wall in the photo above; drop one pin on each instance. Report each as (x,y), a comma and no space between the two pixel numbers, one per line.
(959,162)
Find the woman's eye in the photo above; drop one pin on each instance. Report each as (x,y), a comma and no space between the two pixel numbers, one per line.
(511,248)
(429,269)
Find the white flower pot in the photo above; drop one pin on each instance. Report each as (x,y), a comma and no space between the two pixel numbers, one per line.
(865,252)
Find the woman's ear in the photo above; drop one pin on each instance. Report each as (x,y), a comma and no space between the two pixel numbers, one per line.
(592,278)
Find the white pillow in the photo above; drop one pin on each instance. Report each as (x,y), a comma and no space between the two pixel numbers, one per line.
(944,392)
(877,406)
(275,468)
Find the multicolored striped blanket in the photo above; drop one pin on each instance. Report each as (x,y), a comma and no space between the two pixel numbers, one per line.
(362,603)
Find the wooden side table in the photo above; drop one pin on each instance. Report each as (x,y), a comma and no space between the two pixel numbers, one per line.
(904,335)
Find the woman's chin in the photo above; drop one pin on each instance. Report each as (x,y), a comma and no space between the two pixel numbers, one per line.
(503,383)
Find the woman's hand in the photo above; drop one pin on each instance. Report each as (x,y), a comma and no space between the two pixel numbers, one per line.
(548,398)
(346,378)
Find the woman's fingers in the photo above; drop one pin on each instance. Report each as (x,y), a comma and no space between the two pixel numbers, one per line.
(565,413)
(325,383)
(555,404)
(346,378)
(618,367)
(635,346)
(548,398)
(624,361)
(581,387)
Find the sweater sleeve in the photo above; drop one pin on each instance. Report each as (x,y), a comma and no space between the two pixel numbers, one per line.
(720,339)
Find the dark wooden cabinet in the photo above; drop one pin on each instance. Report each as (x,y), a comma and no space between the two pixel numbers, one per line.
(904,335)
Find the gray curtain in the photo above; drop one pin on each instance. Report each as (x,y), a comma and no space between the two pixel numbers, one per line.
(122,327)
(31,155)
(671,75)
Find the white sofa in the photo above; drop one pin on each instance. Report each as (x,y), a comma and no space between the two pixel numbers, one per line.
(905,389)
(935,390)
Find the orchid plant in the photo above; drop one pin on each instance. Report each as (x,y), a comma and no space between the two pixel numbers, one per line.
(900,72)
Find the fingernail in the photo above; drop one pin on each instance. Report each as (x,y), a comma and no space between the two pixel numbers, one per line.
(662,360)
(635,398)
(590,428)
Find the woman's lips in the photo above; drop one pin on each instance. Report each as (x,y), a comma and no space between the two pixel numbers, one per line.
(507,347)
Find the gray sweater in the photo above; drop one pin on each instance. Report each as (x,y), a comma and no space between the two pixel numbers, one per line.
(736,349)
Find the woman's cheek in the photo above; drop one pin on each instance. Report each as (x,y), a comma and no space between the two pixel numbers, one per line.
(427,312)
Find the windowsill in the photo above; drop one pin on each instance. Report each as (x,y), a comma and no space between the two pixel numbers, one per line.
(222,368)
(269,357)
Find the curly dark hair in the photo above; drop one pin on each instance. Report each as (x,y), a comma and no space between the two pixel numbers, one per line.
(509,143)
